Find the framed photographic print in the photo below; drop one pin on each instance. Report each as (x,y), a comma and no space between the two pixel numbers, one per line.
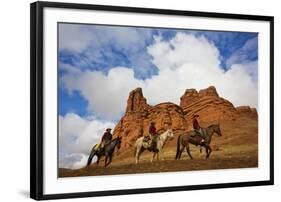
(136,100)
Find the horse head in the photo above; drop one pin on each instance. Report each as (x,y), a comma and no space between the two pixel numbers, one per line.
(118,142)
(217,129)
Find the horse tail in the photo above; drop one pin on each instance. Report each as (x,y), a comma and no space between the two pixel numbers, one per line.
(137,143)
(135,150)
(92,154)
(90,159)
(178,147)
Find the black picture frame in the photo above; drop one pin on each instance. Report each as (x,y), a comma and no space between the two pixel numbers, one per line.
(37,98)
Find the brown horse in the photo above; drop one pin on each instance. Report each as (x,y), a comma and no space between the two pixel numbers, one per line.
(107,151)
(185,139)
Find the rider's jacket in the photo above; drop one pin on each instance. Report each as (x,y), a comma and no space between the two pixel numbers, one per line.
(152,130)
(195,124)
(107,136)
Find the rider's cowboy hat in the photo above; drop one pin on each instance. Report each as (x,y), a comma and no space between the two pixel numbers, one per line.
(195,115)
(108,129)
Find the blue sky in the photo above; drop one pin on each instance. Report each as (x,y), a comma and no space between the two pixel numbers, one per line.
(100,65)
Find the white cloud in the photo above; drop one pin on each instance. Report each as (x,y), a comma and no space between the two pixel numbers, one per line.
(77,135)
(184,49)
(184,62)
(125,38)
(96,43)
(252,69)
(67,35)
(187,61)
(106,94)
(72,161)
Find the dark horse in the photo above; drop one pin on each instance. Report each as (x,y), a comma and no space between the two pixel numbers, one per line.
(185,139)
(107,151)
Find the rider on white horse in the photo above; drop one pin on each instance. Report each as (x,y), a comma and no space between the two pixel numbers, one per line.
(142,144)
(154,136)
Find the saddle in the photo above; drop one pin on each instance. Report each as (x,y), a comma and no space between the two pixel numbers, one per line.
(100,147)
(97,146)
(194,133)
(151,144)
(146,139)
(197,136)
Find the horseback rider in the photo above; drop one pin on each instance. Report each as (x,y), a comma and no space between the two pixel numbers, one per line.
(106,138)
(154,136)
(198,129)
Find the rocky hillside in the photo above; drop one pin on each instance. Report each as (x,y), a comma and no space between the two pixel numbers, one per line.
(207,103)
(211,107)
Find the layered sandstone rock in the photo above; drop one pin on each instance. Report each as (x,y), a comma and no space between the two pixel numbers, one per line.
(247,111)
(206,103)
(136,102)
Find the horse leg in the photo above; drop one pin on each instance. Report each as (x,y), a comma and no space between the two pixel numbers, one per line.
(162,156)
(188,151)
(110,159)
(209,151)
(105,160)
(206,149)
(178,148)
(160,151)
(137,155)
(139,151)
(181,150)
(153,156)
(98,159)
(136,158)
(157,151)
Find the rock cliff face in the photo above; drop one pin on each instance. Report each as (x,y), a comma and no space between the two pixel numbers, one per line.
(247,111)
(206,103)
(136,102)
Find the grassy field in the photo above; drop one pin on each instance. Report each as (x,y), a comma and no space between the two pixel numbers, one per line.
(237,148)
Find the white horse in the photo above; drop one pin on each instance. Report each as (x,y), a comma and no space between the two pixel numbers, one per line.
(141,145)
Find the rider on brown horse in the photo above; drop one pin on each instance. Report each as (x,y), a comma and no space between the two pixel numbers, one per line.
(106,138)
(198,129)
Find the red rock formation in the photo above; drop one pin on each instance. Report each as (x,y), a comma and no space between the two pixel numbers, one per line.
(136,102)
(247,111)
(206,103)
